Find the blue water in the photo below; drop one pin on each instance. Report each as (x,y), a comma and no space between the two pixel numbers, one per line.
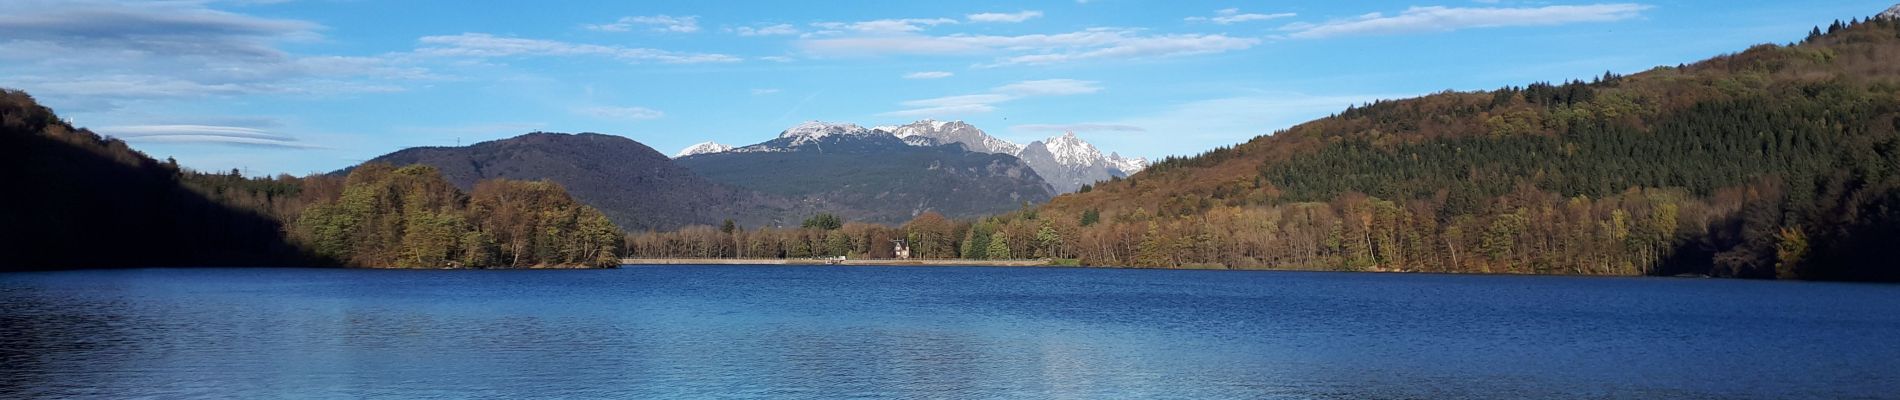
(884,332)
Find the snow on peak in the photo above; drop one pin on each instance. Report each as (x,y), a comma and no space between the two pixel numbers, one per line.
(1071,150)
(1127,165)
(1892,13)
(946,132)
(819,129)
(703,148)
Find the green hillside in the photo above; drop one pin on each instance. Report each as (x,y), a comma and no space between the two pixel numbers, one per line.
(1778,161)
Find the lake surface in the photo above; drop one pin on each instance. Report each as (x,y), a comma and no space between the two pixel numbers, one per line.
(881,332)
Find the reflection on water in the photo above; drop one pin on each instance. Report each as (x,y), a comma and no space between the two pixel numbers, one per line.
(843,332)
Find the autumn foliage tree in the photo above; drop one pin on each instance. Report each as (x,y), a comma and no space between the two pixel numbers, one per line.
(410,217)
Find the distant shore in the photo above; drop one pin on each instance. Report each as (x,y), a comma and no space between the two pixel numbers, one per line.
(821,261)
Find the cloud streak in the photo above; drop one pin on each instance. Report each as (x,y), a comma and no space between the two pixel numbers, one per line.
(986,102)
(1014,17)
(1035,49)
(625,113)
(768,30)
(881,26)
(1078,128)
(1233,16)
(205,134)
(658,23)
(482,45)
(98,55)
(1445,19)
(928,75)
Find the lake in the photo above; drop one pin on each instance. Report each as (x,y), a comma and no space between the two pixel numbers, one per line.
(930,332)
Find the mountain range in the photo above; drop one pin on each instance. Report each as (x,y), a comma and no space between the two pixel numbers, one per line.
(847,170)
(872,175)
(635,186)
(1066,162)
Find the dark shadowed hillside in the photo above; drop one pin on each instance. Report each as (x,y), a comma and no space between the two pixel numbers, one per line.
(79,200)
(637,187)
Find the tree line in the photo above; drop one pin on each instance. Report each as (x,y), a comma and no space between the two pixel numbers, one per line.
(90,201)
(1775,162)
(411,217)
(929,235)
(381,215)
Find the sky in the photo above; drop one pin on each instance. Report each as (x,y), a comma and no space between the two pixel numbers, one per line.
(302,86)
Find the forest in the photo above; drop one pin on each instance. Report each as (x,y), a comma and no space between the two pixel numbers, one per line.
(411,217)
(90,201)
(1776,162)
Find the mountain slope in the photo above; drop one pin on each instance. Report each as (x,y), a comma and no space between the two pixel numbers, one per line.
(702,148)
(947,132)
(637,187)
(1779,161)
(78,200)
(1066,162)
(871,175)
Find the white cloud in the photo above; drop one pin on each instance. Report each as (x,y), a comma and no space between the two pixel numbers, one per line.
(204,134)
(768,30)
(659,23)
(928,75)
(1140,47)
(1078,128)
(960,100)
(96,55)
(780,59)
(482,45)
(631,113)
(986,102)
(1440,19)
(1003,17)
(1035,49)
(1233,15)
(883,26)
(1049,87)
(950,105)
(762,92)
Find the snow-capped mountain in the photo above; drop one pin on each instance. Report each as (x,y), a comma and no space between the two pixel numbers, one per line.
(947,132)
(825,136)
(1127,166)
(1067,162)
(872,175)
(1892,13)
(1071,150)
(1070,161)
(702,148)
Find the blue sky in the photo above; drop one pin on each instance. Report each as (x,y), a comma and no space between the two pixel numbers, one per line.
(316,85)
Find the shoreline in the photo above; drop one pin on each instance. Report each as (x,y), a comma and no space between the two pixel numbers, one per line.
(640,262)
(625,262)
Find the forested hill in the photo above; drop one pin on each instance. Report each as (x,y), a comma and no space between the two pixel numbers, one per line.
(79,200)
(637,187)
(1778,161)
(878,178)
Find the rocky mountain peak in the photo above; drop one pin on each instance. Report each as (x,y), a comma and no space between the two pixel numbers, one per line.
(821,129)
(707,147)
